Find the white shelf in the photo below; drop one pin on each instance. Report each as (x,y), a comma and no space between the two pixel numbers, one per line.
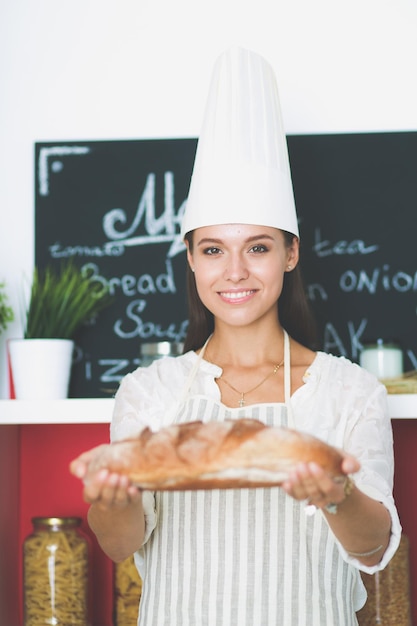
(99,410)
(402,405)
(71,411)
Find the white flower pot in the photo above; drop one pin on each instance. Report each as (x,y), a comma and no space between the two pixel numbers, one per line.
(40,368)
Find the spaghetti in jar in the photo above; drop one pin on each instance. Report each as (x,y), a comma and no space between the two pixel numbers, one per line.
(55,573)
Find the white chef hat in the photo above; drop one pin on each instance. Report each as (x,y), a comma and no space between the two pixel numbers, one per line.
(241,172)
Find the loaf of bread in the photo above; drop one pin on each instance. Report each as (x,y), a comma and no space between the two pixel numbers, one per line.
(214,455)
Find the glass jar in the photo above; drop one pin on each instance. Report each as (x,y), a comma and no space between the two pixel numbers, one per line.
(128,589)
(55,573)
(383,359)
(389,599)
(149,352)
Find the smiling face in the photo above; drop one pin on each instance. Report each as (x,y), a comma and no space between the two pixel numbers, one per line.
(239,270)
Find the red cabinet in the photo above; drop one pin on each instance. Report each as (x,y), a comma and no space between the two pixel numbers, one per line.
(37,442)
(35,481)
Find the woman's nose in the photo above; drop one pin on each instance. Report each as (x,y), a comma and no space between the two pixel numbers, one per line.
(236,269)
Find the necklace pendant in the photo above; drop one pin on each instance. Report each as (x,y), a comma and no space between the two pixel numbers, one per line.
(242,401)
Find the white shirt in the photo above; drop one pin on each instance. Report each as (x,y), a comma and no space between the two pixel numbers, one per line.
(339,403)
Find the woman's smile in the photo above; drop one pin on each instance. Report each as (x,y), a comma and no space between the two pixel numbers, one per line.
(237,296)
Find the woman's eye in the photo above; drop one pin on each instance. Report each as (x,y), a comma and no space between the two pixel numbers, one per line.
(212,250)
(259,248)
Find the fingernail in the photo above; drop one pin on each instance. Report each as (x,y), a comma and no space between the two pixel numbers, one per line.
(78,470)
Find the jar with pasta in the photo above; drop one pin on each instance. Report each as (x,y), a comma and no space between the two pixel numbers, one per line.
(55,573)
(128,589)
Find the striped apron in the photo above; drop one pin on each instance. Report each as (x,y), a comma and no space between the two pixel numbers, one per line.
(245,557)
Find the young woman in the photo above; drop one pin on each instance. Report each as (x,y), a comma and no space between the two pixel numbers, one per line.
(285,555)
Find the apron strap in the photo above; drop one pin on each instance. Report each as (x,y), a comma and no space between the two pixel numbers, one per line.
(188,382)
(287,368)
(287,380)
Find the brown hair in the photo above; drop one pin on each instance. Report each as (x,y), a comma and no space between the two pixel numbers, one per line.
(294,310)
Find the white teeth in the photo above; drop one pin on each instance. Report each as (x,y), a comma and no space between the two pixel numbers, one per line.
(235,294)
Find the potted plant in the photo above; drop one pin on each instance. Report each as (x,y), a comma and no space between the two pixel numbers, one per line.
(6,311)
(61,300)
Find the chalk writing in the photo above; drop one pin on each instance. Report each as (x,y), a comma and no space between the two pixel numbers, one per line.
(413,358)
(45,154)
(316,291)
(159,229)
(324,248)
(378,278)
(108,249)
(131,285)
(115,369)
(333,341)
(139,328)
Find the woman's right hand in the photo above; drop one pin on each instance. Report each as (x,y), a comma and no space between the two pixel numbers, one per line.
(116,513)
(106,490)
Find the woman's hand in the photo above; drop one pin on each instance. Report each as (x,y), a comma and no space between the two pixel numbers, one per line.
(116,513)
(308,481)
(361,524)
(106,490)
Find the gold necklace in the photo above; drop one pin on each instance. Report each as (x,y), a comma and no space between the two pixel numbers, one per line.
(244,393)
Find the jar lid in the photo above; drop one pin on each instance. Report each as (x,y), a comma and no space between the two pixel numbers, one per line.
(57,521)
(161,348)
(388,344)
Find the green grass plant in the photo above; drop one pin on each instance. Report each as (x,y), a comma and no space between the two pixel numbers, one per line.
(62,299)
(6,311)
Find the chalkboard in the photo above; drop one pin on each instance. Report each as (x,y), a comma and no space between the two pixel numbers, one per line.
(116,206)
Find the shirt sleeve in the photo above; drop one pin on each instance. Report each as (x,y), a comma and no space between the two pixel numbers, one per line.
(347,407)
(140,402)
(148,397)
(370,438)
(144,398)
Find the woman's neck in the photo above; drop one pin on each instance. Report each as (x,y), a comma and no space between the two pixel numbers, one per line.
(244,347)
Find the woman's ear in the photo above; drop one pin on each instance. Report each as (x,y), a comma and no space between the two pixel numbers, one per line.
(189,255)
(293,254)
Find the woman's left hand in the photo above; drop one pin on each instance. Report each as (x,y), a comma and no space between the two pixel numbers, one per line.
(361,524)
(309,481)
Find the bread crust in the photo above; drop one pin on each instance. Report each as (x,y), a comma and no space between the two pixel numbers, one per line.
(215,455)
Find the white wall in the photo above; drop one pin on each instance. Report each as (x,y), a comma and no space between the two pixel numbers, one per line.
(100,69)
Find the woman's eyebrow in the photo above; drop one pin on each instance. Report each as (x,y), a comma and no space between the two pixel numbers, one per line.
(207,240)
(213,240)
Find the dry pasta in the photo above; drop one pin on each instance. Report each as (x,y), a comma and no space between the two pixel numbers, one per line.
(128,588)
(55,575)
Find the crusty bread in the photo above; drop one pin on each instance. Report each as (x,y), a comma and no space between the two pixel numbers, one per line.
(214,455)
